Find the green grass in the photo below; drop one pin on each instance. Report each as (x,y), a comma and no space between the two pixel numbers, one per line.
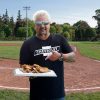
(17,95)
(84,96)
(13,95)
(89,49)
(11,52)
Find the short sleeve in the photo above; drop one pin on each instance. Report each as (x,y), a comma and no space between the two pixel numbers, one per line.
(66,48)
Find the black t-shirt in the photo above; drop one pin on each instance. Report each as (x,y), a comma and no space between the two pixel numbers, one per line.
(34,51)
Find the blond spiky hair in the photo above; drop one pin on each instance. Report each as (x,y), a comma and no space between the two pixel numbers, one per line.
(41,13)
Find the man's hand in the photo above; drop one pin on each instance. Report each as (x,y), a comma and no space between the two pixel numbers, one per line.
(54,56)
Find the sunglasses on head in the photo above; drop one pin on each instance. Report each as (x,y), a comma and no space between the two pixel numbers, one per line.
(41,23)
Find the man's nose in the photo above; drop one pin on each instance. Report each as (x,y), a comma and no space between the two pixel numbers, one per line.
(42,25)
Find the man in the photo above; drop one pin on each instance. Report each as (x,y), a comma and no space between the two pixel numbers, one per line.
(46,50)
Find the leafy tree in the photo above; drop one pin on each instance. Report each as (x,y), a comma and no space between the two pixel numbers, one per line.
(80,30)
(31,30)
(66,34)
(21,32)
(19,16)
(1,24)
(1,27)
(72,33)
(19,23)
(78,34)
(81,24)
(6,18)
(11,25)
(66,27)
(2,35)
(97,18)
(7,31)
(52,29)
(90,33)
(53,24)
(59,29)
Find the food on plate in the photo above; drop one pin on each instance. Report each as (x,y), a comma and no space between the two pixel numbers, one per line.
(40,68)
(35,68)
(27,68)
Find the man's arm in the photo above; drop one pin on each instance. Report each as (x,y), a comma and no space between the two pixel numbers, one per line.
(69,57)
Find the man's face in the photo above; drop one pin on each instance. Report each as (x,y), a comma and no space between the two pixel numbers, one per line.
(42,25)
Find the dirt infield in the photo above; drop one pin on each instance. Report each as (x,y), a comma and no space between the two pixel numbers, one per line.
(9,44)
(83,74)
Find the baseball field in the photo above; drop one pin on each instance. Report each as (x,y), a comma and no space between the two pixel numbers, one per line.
(82,77)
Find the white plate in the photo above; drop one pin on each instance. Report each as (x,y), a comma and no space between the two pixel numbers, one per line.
(19,72)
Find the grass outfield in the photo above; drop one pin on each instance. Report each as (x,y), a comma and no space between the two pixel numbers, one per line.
(13,95)
(16,95)
(89,49)
(84,96)
(10,52)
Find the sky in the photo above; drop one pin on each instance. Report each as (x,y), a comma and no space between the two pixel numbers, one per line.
(61,11)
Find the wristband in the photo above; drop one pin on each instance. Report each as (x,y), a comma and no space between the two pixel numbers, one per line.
(61,58)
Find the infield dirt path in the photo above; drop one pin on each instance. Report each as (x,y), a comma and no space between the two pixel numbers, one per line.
(83,73)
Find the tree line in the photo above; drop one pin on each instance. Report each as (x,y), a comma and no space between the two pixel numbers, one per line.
(79,31)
